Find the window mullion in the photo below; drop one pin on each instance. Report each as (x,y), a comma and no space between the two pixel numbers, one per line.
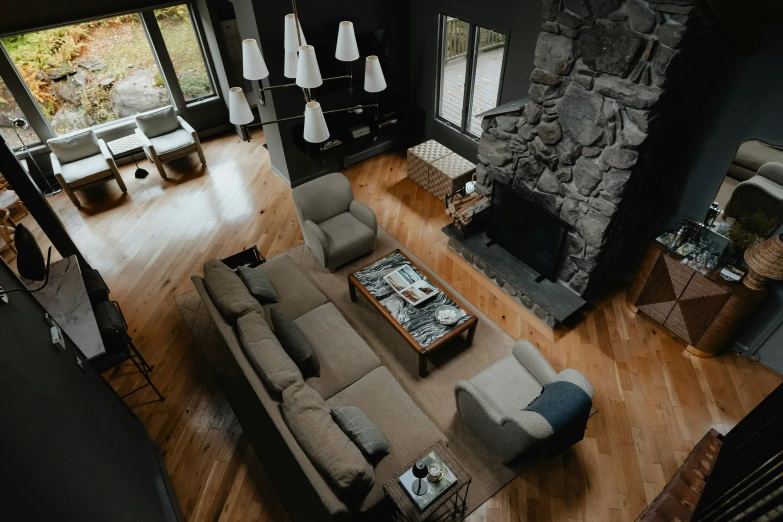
(24,98)
(470,69)
(439,94)
(162,57)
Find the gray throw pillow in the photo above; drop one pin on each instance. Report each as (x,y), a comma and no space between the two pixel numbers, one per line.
(259,285)
(307,416)
(361,430)
(228,291)
(296,344)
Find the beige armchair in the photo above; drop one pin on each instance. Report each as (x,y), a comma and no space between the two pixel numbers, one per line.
(493,403)
(336,227)
(166,136)
(82,160)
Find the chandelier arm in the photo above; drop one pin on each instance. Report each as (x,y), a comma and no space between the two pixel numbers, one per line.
(296,19)
(253,125)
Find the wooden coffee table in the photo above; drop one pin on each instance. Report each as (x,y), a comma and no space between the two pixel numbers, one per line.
(417,324)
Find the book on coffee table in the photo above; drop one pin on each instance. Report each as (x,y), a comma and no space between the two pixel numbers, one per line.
(434,489)
(408,285)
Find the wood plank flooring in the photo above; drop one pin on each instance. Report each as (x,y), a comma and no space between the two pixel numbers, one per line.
(655,401)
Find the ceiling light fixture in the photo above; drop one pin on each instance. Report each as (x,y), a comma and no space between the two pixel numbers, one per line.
(301,65)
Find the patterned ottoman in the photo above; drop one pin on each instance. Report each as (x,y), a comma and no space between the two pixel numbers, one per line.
(419,159)
(449,174)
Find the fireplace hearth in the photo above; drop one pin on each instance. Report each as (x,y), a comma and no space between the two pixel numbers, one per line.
(550,301)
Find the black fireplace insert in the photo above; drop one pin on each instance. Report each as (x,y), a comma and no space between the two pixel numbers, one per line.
(526,230)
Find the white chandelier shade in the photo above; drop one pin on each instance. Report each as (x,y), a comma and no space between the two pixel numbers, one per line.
(290,64)
(347,48)
(315,129)
(291,42)
(239,112)
(253,65)
(373,75)
(308,74)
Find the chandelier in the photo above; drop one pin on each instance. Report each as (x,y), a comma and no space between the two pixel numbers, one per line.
(301,65)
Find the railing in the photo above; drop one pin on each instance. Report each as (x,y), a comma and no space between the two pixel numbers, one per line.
(457,33)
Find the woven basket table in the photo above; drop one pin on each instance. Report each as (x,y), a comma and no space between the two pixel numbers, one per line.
(448,175)
(421,157)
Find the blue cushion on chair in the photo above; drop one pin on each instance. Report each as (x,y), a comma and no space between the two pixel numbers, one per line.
(566,407)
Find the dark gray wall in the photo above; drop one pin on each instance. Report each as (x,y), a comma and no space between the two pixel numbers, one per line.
(71,449)
(745,102)
(520,20)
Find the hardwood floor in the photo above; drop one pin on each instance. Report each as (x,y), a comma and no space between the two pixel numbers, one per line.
(655,401)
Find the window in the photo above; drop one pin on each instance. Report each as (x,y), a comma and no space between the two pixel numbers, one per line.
(176,26)
(8,111)
(471,69)
(90,73)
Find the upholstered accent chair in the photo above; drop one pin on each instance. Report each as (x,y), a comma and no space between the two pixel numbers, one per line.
(336,227)
(493,402)
(761,193)
(82,160)
(166,136)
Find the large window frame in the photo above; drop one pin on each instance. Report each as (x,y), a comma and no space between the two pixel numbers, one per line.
(40,123)
(470,72)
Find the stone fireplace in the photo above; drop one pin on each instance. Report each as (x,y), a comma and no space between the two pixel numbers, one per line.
(589,141)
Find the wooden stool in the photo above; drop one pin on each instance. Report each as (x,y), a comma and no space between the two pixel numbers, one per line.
(9,200)
(7,227)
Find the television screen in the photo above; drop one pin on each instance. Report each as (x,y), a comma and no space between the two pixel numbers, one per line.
(526,230)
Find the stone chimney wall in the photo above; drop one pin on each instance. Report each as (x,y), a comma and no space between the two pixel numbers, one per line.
(587,145)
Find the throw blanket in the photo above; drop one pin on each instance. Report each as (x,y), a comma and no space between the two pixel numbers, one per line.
(566,407)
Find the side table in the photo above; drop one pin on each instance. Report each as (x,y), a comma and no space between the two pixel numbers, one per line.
(452,502)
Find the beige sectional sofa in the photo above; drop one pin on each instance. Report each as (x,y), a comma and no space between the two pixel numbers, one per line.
(351,375)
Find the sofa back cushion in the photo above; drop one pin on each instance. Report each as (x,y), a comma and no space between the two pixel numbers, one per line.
(324,443)
(295,344)
(159,122)
(229,293)
(75,147)
(265,353)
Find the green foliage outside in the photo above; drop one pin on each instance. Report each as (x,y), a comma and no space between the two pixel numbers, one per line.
(121,43)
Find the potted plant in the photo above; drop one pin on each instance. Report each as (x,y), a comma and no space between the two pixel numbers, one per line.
(746,232)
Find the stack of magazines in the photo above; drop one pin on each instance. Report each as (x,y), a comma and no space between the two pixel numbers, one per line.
(408,285)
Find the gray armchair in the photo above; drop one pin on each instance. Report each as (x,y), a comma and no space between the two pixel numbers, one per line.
(761,193)
(82,160)
(493,402)
(165,136)
(336,227)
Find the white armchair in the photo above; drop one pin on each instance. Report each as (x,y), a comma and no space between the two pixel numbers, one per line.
(82,160)
(493,402)
(165,136)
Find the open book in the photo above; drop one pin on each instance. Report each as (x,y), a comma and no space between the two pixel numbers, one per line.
(407,283)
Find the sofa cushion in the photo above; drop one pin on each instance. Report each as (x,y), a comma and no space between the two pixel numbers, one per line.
(75,147)
(362,431)
(296,344)
(348,238)
(325,444)
(409,431)
(158,122)
(265,353)
(229,293)
(344,356)
(297,294)
(259,285)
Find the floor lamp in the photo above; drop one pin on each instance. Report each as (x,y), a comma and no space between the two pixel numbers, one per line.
(21,124)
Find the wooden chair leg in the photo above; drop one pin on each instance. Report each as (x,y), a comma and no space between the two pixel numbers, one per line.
(200,152)
(67,189)
(116,172)
(159,166)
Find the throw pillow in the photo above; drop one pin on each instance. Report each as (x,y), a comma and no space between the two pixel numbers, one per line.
(296,344)
(259,285)
(228,291)
(265,353)
(361,430)
(307,416)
